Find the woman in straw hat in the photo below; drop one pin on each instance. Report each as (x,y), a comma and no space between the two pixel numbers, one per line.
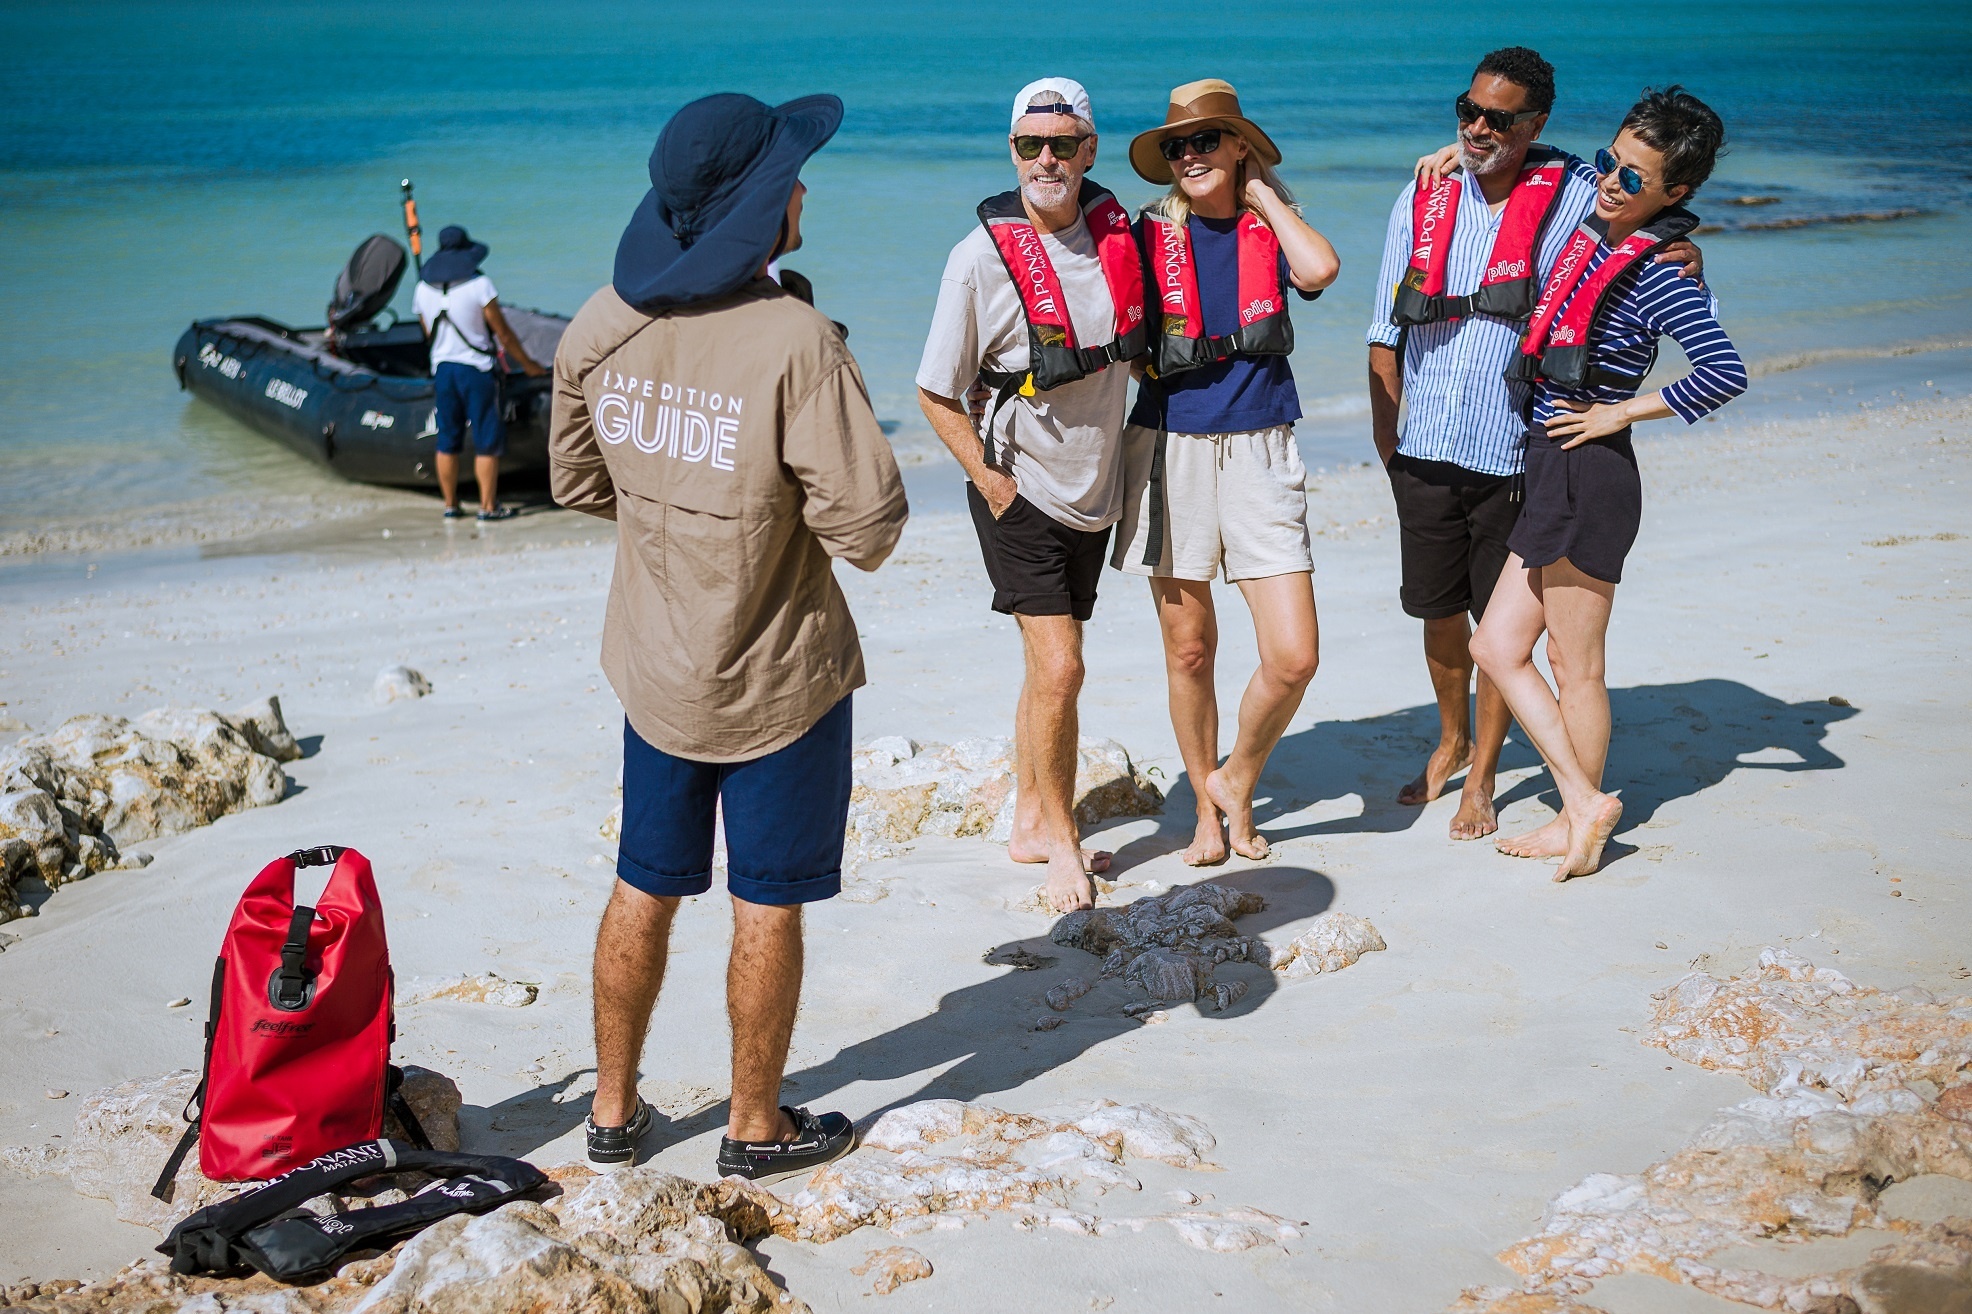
(1215,480)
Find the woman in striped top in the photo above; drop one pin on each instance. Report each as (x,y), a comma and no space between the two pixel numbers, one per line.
(1593,337)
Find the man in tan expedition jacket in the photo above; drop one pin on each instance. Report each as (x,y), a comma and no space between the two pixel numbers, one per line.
(725,428)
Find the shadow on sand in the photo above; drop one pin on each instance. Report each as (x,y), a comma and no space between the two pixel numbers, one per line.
(979,1041)
(1671,741)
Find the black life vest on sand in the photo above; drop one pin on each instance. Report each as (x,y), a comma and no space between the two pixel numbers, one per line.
(1264,327)
(1556,344)
(1053,355)
(1507,289)
(266,1229)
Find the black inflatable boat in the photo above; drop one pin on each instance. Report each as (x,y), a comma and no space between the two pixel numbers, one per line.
(356,394)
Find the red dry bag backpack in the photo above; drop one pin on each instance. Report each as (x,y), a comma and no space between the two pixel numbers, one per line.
(297,1042)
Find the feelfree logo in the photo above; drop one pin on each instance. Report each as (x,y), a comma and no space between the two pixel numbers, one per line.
(269,1027)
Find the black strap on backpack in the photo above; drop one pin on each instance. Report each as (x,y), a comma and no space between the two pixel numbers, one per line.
(266,1229)
(195,1106)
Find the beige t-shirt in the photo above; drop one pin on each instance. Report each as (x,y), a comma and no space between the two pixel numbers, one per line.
(1064,446)
(733,444)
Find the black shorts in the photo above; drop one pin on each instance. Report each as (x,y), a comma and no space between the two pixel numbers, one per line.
(1039,566)
(1453,525)
(1585,504)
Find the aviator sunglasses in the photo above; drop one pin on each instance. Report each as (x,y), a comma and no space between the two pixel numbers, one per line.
(1202,142)
(1627,178)
(1029,148)
(1499,120)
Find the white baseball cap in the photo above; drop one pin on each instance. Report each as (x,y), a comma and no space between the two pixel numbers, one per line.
(1048,95)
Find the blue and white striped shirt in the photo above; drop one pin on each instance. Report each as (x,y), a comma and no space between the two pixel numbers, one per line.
(1459,405)
(1645,303)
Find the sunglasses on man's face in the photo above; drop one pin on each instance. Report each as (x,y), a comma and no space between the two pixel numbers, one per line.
(1202,142)
(1627,178)
(1471,111)
(1029,148)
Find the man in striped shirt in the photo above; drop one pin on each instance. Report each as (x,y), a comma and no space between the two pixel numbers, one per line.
(1455,463)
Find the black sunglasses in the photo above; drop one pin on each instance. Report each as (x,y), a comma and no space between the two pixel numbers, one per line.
(1627,178)
(1499,120)
(1202,142)
(1029,148)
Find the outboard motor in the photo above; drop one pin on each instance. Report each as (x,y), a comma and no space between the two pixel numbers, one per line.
(366,284)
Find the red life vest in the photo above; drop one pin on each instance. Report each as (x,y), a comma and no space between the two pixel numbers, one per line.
(1556,344)
(1054,357)
(1507,290)
(1264,327)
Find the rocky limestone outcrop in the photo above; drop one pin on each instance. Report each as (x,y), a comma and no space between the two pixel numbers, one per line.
(891,1267)
(635,1242)
(73,799)
(485,988)
(1170,945)
(943,1164)
(123,1134)
(1863,1088)
(904,790)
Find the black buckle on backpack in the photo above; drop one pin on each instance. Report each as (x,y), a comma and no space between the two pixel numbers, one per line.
(323,855)
(291,987)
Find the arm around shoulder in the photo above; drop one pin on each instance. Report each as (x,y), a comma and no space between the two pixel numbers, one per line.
(854,500)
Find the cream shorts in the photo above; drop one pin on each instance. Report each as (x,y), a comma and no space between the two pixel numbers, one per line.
(1235,502)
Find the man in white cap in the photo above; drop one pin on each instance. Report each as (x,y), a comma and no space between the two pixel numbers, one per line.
(1045,302)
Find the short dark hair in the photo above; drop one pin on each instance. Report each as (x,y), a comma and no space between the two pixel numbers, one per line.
(1524,68)
(1684,128)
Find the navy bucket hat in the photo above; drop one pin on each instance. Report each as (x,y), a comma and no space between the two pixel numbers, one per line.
(457,259)
(721,175)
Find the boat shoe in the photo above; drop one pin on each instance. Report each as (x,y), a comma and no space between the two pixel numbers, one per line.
(611,1148)
(816,1141)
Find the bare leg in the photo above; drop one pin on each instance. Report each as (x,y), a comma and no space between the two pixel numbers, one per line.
(631,947)
(1504,648)
(763,991)
(1191,641)
(486,472)
(1283,608)
(1476,817)
(1045,745)
(448,478)
(1448,657)
(1584,700)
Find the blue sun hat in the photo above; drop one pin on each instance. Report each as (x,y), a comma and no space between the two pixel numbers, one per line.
(721,175)
(457,259)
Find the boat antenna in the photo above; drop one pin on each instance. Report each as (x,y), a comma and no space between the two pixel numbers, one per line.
(411,229)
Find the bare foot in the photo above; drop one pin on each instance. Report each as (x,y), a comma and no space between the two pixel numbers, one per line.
(1443,764)
(1475,818)
(1237,804)
(1022,849)
(1069,886)
(1208,843)
(1549,841)
(1586,840)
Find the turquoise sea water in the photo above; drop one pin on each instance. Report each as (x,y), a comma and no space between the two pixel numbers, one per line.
(161,162)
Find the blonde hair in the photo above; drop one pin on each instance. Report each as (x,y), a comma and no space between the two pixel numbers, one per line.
(1175,206)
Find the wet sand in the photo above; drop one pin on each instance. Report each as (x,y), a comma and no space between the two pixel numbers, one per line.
(1417,1110)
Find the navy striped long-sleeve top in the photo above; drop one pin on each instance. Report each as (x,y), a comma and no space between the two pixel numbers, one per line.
(1648,301)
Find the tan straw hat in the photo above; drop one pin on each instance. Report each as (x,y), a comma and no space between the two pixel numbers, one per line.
(1207,103)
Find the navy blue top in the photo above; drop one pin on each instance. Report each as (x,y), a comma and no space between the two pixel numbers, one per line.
(1241,393)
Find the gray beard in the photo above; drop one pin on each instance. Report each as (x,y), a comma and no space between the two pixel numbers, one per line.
(1483,166)
(1044,195)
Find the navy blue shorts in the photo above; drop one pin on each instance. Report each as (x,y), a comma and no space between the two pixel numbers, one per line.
(785,815)
(469,396)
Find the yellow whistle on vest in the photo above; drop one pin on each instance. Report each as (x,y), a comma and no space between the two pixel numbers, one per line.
(1027,385)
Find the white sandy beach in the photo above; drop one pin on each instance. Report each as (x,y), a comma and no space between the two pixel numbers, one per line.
(1413,1114)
